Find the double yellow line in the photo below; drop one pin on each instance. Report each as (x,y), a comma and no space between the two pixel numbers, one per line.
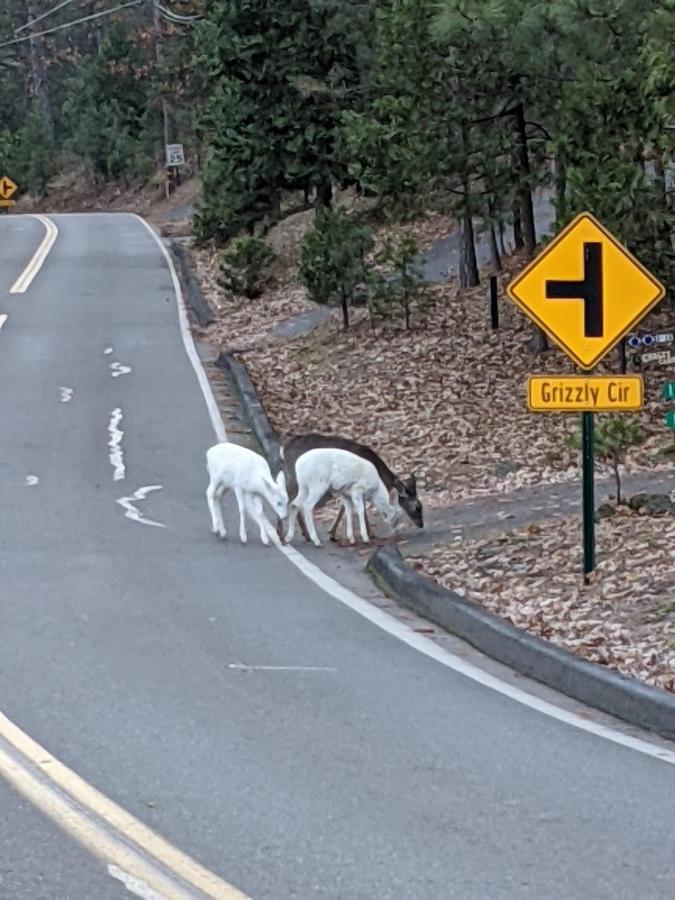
(133,853)
(24,280)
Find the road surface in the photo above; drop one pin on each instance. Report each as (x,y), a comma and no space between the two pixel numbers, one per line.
(216,693)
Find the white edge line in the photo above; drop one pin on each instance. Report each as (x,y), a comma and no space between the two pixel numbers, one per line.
(24,280)
(382,619)
(3,319)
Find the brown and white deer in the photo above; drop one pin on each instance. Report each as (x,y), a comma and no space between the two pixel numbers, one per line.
(405,488)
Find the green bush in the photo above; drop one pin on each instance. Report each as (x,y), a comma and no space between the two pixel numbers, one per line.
(400,285)
(243,267)
(613,438)
(332,259)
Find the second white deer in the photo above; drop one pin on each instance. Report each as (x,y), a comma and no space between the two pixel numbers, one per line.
(236,468)
(352,478)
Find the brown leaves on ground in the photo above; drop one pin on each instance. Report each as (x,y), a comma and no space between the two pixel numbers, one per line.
(445,400)
(625,619)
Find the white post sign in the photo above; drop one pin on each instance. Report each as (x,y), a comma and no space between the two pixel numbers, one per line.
(175,155)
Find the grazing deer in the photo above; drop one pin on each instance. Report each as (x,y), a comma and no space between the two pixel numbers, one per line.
(236,468)
(353,478)
(406,488)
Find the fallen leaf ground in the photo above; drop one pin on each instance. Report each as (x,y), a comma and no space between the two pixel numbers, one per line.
(624,619)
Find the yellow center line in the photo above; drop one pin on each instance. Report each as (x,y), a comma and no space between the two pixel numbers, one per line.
(59,786)
(23,282)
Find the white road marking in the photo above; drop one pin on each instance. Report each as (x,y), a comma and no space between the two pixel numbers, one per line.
(3,319)
(135,514)
(118,369)
(66,394)
(133,885)
(116,454)
(242,667)
(32,480)
(107,351)
(24,281)
(382,619)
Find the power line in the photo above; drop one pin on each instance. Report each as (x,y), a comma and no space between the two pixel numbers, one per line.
(98,15)
(43,15)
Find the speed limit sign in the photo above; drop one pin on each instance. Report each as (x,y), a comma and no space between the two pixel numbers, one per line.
(175,155)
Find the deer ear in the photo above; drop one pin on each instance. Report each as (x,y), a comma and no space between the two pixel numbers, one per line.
(410,483)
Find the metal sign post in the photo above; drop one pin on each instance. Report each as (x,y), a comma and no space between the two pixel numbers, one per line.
(588,490)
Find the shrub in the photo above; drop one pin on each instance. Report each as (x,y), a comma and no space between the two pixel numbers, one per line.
(401,284)
(614,436)
(243,267)
(332,259)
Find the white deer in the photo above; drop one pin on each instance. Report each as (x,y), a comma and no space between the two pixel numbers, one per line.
(353,478)
(236,468)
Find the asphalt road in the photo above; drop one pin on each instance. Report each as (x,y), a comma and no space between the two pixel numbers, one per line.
(378,774)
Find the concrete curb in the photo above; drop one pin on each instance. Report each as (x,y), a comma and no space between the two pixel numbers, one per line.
(196,299)
(602,688)
(253,410)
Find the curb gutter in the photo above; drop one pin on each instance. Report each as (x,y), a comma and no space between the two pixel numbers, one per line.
(196,300)
(253,410)
(592,684)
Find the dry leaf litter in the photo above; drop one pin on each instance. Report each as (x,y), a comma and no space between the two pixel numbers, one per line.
(624,619)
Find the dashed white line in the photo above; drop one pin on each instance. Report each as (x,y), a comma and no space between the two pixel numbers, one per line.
(117,369)
(3,319)
(135,514)
(66,394)
(32,480)
(116,454)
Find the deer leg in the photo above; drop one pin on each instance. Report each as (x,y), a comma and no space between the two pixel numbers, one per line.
(303,527)
(358,501)
(332,534)
(241,503)
(369,530)
(213,500)
(292,519)
(255,507)
(349,520)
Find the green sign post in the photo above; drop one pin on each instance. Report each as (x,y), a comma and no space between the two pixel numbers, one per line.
(669,394)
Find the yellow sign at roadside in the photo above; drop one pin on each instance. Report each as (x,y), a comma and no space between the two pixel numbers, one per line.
(7,188)
(585,393)
(585,290)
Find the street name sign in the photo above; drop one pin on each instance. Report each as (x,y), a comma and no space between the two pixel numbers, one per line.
(7,188)
(585,290)
(585,393)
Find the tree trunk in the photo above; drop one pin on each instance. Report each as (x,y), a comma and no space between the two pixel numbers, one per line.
(560,192)
(494,251)
(468,267)
(525,193)
(660,180)
(345,311)
(324,194)
(617,479)
(40,85)
(517,229)
(502,247)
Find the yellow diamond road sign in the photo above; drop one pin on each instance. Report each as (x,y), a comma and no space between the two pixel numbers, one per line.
(585,290)
(7,188)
